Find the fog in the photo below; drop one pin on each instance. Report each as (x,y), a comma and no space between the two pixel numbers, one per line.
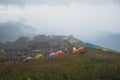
(65,17)
(55,2)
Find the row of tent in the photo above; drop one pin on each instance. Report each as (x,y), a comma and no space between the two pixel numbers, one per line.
(36,57)
(98,47)
(60,51)
(54,54)
(94,46)
(40,55)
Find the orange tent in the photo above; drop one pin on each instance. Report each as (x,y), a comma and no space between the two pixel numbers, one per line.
(59,52)
(75,51)
(81,49)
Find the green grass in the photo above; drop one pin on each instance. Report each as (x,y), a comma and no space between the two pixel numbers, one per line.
(91,66)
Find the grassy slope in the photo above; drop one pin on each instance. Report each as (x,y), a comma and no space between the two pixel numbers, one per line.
(94,65)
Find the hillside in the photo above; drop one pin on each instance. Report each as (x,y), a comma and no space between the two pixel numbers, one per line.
(96,65)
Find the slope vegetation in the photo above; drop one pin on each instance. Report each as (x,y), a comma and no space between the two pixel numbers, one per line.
(93,65)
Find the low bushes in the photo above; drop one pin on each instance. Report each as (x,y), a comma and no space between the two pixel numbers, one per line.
(67,67)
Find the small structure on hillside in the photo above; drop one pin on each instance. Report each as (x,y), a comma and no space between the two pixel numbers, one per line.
(16,50)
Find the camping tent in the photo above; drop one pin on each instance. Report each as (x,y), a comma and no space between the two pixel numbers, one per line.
(81,49)
(52,54)
(75,51)
(105,49)
(90,45)
(61,47)
(28,59)
(97,47)
(38,56)
(59,52)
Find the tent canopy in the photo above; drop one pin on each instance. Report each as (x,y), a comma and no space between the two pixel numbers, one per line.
(52,54)
(59,52)
(28,59)
(90,45)
(38,56)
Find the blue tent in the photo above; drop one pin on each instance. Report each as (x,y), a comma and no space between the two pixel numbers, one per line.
(61,47)
(52,54)
(90,45)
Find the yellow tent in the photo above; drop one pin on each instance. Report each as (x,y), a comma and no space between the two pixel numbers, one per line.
(38,56)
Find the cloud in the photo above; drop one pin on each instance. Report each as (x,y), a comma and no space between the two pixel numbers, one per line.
(77,17)
(12,2)
(56,2)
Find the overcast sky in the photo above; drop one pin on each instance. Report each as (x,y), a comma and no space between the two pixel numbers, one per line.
(84,17)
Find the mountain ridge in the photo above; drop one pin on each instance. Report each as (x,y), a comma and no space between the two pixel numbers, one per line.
(11,31)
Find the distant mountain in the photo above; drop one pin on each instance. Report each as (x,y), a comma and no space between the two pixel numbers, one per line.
(10,31)
(109,40)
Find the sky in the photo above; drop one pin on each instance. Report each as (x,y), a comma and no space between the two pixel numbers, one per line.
(64,17)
